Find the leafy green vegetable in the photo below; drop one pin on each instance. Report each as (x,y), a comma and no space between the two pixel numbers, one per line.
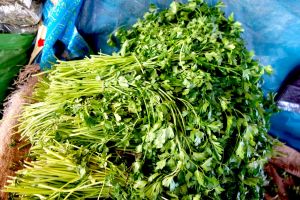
(179,112)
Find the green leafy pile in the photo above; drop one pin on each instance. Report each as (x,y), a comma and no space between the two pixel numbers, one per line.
(178,114)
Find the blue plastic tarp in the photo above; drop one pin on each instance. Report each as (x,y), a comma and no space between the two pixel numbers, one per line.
(60,22)
(272,30)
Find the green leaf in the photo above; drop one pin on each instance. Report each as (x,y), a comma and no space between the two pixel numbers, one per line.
(153,176)
(269,70)
(140,184)
(231,17)
(205,106)
(229,123)
(167,181)
(212,182)
(211,55)
(139,148)
(161,164)
(118,117)
(192,6)
(230,46)
(199,156)
(170,132)
(240,151)
(161,138)
(137,166)
(124,48)
(123,82)
(150,136)
(219,189)
(246,74)
(249,135)
(174,7)
(188,176)
(215,126)
(207,164)
(218,149)
(224,102)
(251,181)
(197,136)
(199,177)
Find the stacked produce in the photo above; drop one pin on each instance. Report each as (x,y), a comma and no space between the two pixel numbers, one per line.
(177,114)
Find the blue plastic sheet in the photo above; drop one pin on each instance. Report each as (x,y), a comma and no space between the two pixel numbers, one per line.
(272,30)
(60,22)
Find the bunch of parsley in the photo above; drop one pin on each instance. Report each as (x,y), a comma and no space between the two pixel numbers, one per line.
(220,141)
(179,113)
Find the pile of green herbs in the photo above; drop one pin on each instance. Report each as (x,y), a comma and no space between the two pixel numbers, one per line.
(177,114)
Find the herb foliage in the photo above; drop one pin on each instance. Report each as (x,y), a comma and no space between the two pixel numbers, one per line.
(179,112)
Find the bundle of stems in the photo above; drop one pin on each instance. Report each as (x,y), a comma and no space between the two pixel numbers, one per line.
(65,171)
